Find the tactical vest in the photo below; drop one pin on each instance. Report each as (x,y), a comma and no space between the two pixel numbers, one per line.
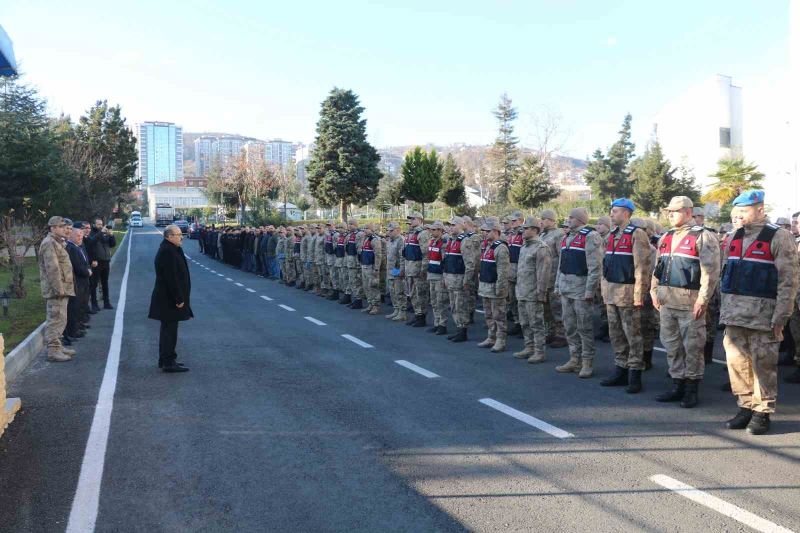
(573,255)
(350,248)
(435,256)
(367,252)
(489,263)
(329,244)
(453,261)
(411,249)
(751,272)
(680,268)
(515,243)
(340,246)
(618,261)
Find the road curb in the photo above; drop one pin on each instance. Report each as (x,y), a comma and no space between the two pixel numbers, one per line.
(26,351)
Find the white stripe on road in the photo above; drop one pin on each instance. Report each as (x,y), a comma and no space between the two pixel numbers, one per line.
(228,279)
(357,341)
(238,284)
(220,275)
(528,419)
(479,311)
(315,321)
(248,289)
(417,369)
(656,348)
(267,298)
(721,506)
(286,307)
(85,505)
(213,271)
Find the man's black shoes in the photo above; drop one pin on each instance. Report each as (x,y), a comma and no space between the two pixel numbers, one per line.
(107,305)
(173,368)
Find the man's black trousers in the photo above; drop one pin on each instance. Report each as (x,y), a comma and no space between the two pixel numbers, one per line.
(167,340)
(100,275)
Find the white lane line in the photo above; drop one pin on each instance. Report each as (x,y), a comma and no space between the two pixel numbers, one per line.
(286,307)
(213,271)
(315,321)
(228,279)
(656,348)
(528,419)
(238,284)
(267,298)
(357,341)
(248,289)
(720,361)
(417,369)
(721,506)
(85,505)
(479,311)
(220,275)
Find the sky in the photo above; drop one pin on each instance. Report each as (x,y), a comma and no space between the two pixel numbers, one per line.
(425,71)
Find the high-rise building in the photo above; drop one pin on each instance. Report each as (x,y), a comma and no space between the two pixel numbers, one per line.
(203,154)
(210,150)
(160,152)
(279,152)
(702,126)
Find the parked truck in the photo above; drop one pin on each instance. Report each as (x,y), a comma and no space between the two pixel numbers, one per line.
(165,214)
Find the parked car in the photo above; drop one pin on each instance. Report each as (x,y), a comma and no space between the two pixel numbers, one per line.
(183,225)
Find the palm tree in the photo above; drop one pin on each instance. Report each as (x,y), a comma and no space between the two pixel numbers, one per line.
(734,176)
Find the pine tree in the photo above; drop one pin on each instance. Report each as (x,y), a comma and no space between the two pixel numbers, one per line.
(609,175)
(344,166)
(653,179)
(532,186)
(504,155)
(422,176)
(453,193)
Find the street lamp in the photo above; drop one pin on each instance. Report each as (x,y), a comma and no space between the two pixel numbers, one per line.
(5,299)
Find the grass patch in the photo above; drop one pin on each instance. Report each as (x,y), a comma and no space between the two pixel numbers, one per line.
(23,315)
(119,235)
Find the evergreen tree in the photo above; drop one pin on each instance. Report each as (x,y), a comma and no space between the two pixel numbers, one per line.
(653,179)
(422,176)
(609,176)
(532,186)
(453,193)
(504,155)
(344,166)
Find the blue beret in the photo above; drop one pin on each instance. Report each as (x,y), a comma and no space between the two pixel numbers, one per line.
(751,197)
(623,202)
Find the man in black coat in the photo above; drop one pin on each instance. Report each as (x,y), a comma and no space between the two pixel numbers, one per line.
(76,306)
(101,241)
(170,300)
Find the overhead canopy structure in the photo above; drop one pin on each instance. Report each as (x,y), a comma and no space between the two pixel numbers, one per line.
(8,65)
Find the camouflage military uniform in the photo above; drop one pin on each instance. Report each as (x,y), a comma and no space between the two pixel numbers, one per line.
(471,283)
(394,261)
(370,271)
(415,271)
(55,272)
(494,295)
(307,258)
(435,279)
(750,344)
(321,281)
(533,278)
(459,286)
(330,261)
(552,310)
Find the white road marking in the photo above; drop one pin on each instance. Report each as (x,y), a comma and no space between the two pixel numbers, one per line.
(720,361)
(238,284)
(656,348)
(85,505)
(213,271)
(248,289)
(528,419)
(229,279)
(479,311)
(267,298)
(286,307)
(417,369)
(721,506)
(315,321)
(220,275)
(357,341)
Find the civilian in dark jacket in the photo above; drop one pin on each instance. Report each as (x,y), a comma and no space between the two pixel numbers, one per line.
(171,294)
(76,306)
(87,230)
(101,241)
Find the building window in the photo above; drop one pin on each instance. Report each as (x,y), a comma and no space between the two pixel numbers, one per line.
(725,137)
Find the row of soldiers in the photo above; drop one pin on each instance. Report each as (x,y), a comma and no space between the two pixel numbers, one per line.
(548,283)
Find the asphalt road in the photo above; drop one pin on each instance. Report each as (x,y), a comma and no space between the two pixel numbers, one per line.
(284,424)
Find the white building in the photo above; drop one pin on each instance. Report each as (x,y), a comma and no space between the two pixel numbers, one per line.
(702,126)
(177,195)
(474,198)
(160,152)
(287,210)
(279,152)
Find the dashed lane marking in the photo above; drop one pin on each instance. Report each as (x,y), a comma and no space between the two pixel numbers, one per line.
(479,311)
(248,289)
(526,418)
(228,279)
(286,307)
(267,298)
(315,321)
(417,369)
(239,284)
(220,275)
(721,506)
(357,341)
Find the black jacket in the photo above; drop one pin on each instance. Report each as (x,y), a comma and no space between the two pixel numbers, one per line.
(100,245)
(80,263)
(173,285)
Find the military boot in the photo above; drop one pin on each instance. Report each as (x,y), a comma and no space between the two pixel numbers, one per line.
(419,321)
(460,336)
(634,381)
(431,330)
(487,343)
(374,310)
(741,420)
(399,317)
(537,358)
(526,352)
(690,397)
(391,315)
(367,308)
(334,295)
(586,369)
(357,304)
(57,356)
(499,346)
(759,424)
(619,378)
(441,330)
(573,365)
(68,351)
(675,394)
(345,299)
(647,357)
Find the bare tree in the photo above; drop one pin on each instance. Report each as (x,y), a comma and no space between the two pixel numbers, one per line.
(20,229)
(93,175)
(548,134)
